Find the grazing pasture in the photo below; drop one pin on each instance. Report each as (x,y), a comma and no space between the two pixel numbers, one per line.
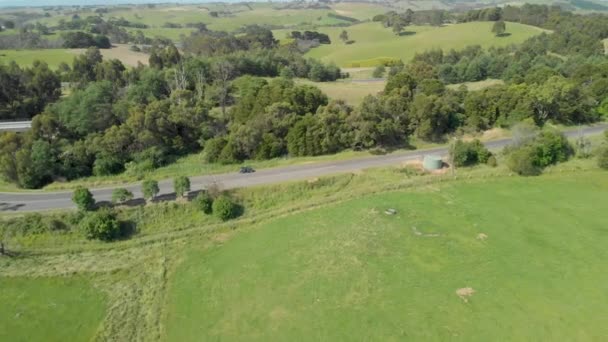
(374,43)
(450,264)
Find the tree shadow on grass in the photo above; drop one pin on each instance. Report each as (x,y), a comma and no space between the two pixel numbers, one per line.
(406,33)
(506,34)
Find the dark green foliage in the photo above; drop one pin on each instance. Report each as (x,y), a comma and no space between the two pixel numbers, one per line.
(121,195)
(204,202)
(224,208)
(499,28)
(83,199)
(181,185)
(100,225)
(524,161)
(602,157)
(379,71)
(150,189)
(469,153)
(492,162)
(80,40)
(548,148)
(26,92)
(322,38)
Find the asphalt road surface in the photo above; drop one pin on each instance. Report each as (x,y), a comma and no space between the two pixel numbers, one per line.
(15,126)
(39,201)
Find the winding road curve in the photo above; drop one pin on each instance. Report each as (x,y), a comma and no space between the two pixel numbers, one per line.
(40,201)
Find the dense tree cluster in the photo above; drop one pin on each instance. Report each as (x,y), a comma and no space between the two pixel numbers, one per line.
(322,38)
(217,101)
(26,92)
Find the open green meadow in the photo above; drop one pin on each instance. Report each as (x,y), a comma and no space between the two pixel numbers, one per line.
(320,260)
(25,58)
(231,17)
(350,272)
(375,43)
(49,309)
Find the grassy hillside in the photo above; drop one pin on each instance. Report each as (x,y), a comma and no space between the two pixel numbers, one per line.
(374,42)
(233,17)
(350,272)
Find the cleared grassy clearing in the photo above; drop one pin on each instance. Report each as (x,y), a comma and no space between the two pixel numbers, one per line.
(350,272)
(352,92)
(374,43)
(479,85)
(25,58)
(49,309)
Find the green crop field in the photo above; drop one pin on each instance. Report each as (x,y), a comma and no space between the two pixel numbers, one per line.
(350,272)
(373,42)
(49,309)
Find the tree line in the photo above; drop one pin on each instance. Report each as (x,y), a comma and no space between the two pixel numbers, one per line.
(134,120)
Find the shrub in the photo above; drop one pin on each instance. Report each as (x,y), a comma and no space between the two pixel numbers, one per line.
(101,225)
(181,185)
(83,199)
(150,189)
(583,147)
(553,147)
(224,208)
(492,161)
(379,71)
(121,195)
(602,157)
(524,161)
(469,153)
(547,148)
(204,202)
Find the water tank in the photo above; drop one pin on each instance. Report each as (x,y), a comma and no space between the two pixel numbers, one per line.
(432,162)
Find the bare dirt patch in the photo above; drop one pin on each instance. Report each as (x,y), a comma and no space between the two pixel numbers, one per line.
(465,293)
(482,237)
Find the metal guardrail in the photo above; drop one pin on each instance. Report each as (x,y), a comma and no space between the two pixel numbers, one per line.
(15,126)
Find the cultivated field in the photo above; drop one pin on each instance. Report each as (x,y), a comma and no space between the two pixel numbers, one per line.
(373,42)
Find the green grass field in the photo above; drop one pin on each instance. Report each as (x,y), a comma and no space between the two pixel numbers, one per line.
(373,42)
(350,272)
(319,260)
(49,309)
(25,58)
(347,90)
(239,15)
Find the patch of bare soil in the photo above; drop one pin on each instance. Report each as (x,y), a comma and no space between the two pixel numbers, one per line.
(465,293)
(481,237)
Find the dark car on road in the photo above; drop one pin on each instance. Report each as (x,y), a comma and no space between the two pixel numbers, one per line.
(246,169)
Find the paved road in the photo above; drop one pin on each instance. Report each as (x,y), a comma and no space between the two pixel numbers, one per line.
(15,126)
(39,201)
